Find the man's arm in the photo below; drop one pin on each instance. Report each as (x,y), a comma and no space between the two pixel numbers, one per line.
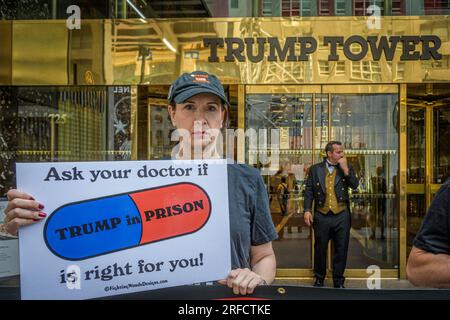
(426,269)
(352,181)
(429,260)
(349,174)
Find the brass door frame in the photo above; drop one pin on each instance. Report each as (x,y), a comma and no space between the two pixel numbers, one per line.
(428,154)
(134,121)
(241,121)
(286,273)
(428,188)
(370,89)
(402,192)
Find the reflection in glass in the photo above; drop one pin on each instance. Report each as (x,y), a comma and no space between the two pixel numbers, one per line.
(63,124)
(416,146)
(441,146)
(291,114)
(160,131)
(157,118)
(367,126)
(74,123)
(321,127)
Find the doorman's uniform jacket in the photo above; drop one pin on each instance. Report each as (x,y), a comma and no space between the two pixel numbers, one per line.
(316,186)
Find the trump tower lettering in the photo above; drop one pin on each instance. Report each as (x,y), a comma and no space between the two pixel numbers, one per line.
(122,227)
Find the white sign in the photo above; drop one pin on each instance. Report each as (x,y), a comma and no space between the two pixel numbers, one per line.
(124,226)
(9,250)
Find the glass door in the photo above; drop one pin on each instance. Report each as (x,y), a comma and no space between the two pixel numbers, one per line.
(428,165)
(282,119)
(416,175)
(441,146)
(365,119)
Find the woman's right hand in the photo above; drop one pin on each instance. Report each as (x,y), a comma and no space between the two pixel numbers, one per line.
(22,210)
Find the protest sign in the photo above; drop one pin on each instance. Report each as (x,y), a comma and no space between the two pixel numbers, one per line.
(123,226)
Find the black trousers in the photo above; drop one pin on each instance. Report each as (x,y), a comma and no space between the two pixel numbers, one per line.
(335,227)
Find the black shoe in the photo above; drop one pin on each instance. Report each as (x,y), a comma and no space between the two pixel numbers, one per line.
(338,284)
(318,282)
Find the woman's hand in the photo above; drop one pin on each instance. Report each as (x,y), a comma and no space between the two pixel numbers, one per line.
(22,210)
(243,281)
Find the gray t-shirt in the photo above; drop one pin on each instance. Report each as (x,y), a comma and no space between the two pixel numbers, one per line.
(250,220)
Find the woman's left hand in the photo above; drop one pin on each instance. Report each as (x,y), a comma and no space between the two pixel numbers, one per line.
(243,281)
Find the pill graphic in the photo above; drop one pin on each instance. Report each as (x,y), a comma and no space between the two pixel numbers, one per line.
(90,228)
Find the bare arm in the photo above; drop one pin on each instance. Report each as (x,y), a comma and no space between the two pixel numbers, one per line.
(426,269)
(263,264)
(263,261)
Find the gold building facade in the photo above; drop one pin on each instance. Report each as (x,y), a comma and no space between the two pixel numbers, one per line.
(99,93)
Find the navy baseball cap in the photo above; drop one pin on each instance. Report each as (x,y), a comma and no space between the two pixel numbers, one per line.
(190,84)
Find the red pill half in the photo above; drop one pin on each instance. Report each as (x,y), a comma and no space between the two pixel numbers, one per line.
(171,211)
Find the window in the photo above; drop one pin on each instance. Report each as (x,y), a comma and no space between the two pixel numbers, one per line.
(324,68)
(325,7)
(398,8)
(360,6)
(397,70)
(340,68)
(366,70)
(290,8)
(436,6)
(340,7)
(306,8)
(234,4)
(267,8)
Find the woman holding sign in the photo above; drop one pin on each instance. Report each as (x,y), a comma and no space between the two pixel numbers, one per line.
(198,109)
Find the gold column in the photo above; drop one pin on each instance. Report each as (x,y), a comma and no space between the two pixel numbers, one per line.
(329,119)
(149,130)
(133,128)
(428,154)
(5,53)
(402,182)
(313,150)
(52,138)
(241,122)
(329,138)
(313,154)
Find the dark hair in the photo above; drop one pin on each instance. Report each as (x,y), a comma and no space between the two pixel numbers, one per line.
(329,146)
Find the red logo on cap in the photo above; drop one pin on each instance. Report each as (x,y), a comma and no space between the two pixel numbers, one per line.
(200,78)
